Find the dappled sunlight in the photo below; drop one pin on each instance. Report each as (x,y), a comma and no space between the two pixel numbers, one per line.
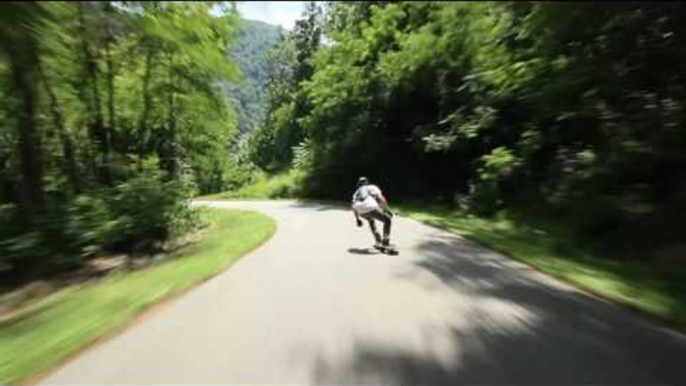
(432,354)
(506,324)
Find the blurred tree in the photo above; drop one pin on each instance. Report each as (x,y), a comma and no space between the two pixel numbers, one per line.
(20,24)
(98,94)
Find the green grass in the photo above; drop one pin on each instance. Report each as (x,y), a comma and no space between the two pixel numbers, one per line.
(552,248)
(283,185)
(70,320)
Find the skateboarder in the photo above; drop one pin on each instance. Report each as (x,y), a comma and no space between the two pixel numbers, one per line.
(369,203)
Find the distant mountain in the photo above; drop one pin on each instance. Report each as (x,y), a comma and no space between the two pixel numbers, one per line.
(250,53)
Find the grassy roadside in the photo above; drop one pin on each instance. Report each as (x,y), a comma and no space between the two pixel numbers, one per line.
(656,291)
(71,319)
(283,185)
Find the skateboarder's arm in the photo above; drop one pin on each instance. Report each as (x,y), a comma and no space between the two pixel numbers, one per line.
(383,203)
(357,219)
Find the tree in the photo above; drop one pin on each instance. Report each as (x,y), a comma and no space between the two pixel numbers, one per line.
(272,144)
(470,102)
(18,37)
(99,96)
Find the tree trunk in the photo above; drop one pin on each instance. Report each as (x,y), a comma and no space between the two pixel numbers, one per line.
(170,135)
(7,178)
(110,97)
(23,66)
(69,159)
(147,105)
(98,131)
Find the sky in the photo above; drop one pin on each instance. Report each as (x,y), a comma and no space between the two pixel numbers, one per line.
(283,13)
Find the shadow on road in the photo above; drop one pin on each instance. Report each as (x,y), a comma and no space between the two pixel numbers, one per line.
(512,328)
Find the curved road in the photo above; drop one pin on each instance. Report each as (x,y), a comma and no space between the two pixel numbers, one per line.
(315,305)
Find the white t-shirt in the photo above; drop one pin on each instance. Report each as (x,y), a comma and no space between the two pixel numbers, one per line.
(363,199)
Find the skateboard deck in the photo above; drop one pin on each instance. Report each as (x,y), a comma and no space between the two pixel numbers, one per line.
(390,249)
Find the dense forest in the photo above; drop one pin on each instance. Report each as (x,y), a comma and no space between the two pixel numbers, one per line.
(111,118)
(574,110)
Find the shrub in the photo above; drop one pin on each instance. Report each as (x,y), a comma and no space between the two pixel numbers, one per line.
(15,244)
(70,230)
(495,170)
(150,209)
(143,211)
(90,224)
(241,172)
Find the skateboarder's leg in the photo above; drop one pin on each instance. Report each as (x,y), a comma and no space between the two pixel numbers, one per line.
(386,220)
(372,227)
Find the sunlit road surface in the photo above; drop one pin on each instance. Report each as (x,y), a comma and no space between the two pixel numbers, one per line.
(316,305)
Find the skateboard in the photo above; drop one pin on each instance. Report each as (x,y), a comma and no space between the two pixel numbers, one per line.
(390,249)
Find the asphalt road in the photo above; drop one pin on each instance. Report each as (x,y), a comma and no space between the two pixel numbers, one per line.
(317,305)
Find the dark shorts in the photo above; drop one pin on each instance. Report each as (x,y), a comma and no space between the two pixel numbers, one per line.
(376,215)
(379,215)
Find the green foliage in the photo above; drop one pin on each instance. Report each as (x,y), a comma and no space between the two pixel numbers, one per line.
(251,52)
(494,172)
(139,213)
(12,242)
(90,225)
(240,170)
(89,92)
(303,159)
(70,232)
(284,185)
(283,127)
(269,145)
(150,209)
(568,104)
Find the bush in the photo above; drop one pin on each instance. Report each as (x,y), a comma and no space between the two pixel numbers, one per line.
(71,230)
(140,212)
(284,185)
(241,172)
(91,225)
(495,170)
(15,243)
(149,209)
